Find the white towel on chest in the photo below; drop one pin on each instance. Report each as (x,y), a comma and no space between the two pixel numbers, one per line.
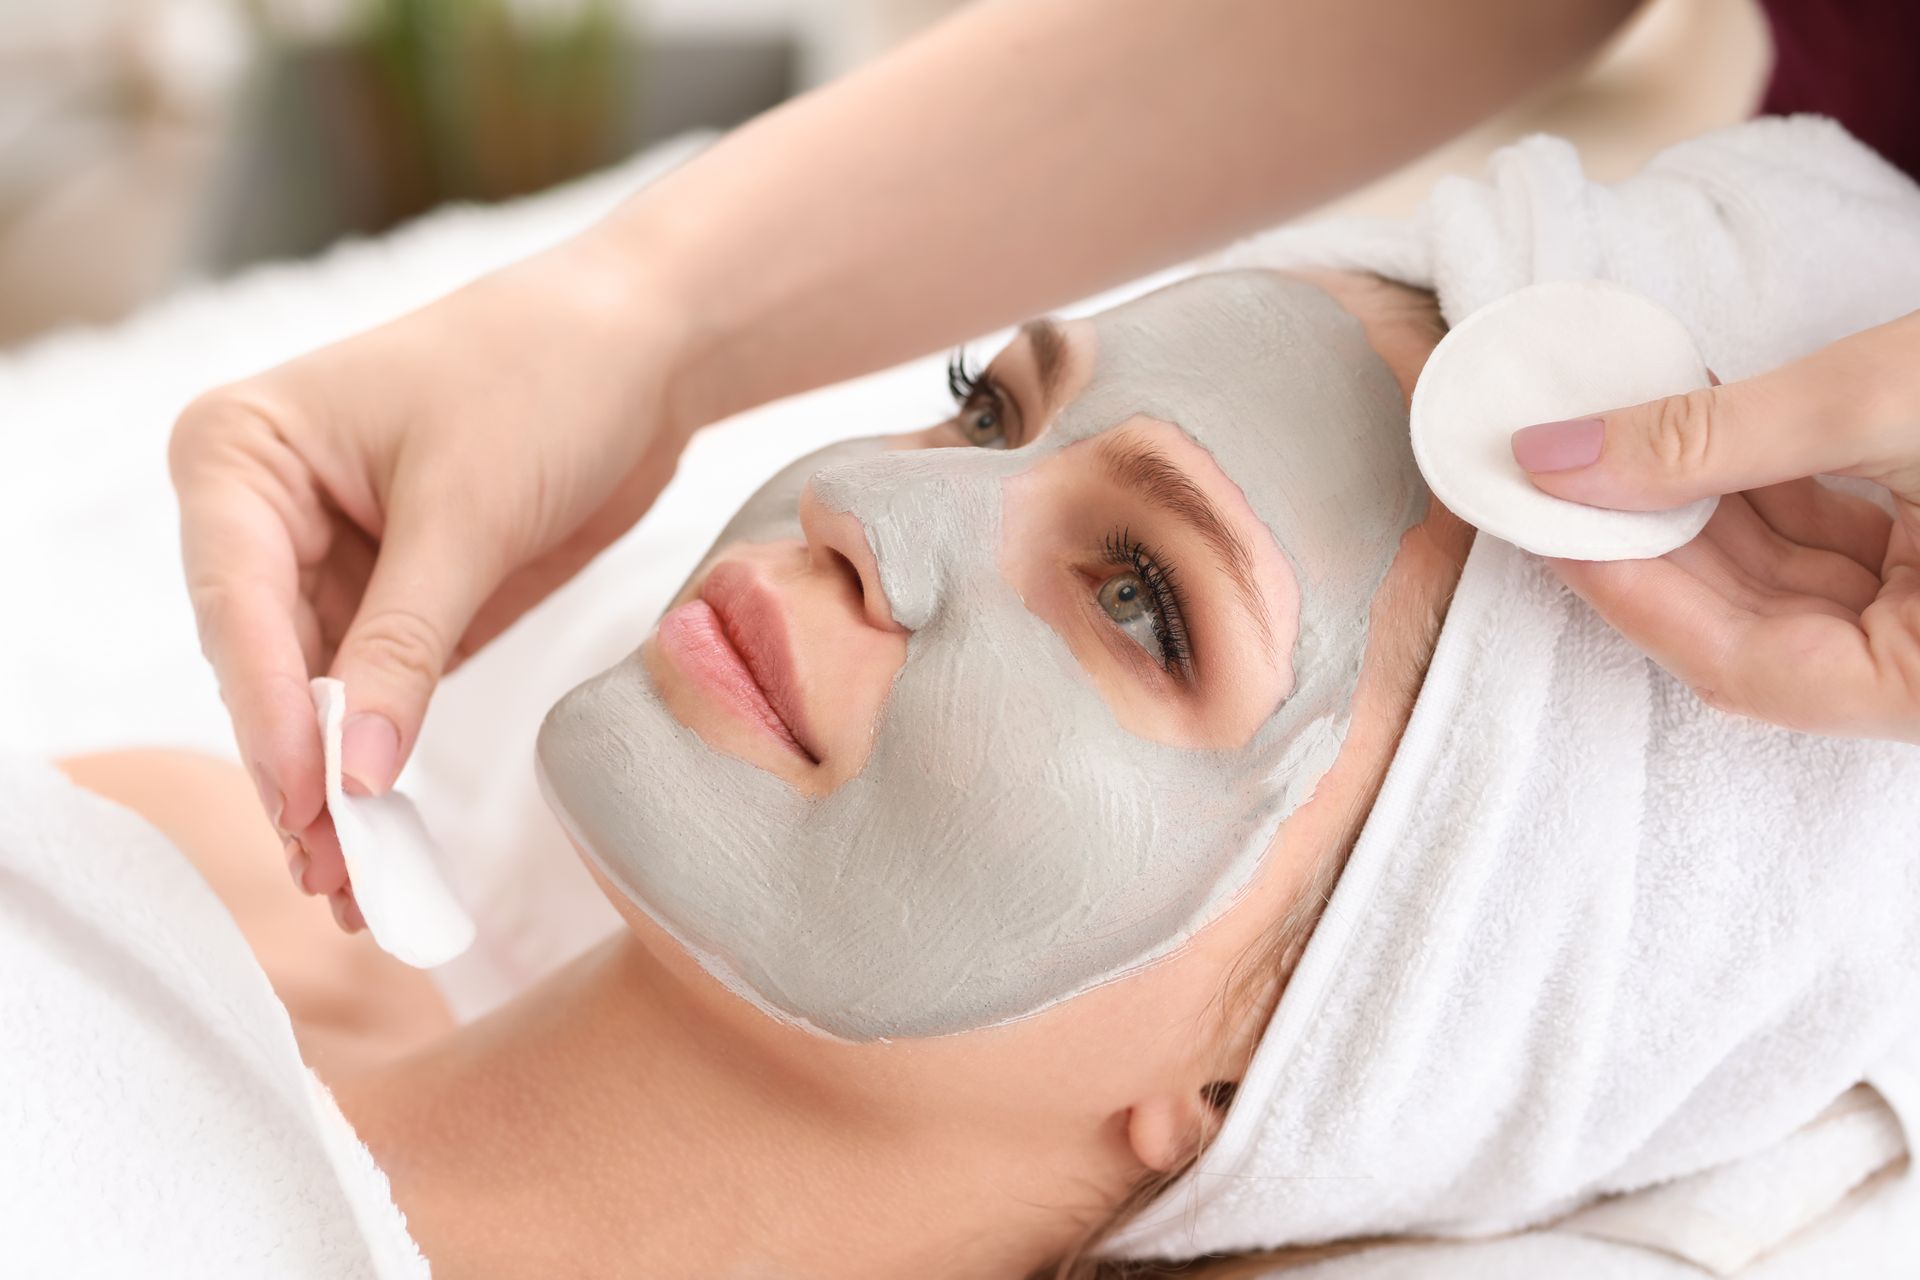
(155,1117)
(1595,937)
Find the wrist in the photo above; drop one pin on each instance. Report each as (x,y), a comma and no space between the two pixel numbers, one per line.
(639,277)
(623,303)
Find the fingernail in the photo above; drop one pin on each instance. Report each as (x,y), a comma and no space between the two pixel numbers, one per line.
(270,798)
(1559,446)
(297,863)
(370,752)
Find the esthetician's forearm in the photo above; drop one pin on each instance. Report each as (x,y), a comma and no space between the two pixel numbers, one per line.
(1031,151)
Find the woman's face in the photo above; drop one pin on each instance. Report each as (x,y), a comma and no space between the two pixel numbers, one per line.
(954,726)
(1094,541)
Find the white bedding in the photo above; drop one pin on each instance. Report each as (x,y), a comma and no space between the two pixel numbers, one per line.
(155,1116)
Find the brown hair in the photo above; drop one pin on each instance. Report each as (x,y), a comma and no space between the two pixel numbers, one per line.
(1412,619)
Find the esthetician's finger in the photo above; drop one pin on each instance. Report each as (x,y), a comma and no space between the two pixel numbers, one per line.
(1790,569)
(346,912)
(238,544)
(432,575)
(247,636)
(1850,408)
(1813,515)
(324,866)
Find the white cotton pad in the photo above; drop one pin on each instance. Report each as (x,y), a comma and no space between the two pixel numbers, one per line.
(391,858)
(1547,353)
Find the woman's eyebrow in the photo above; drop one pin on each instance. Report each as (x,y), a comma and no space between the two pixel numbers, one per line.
(1140,467)
(1048,343)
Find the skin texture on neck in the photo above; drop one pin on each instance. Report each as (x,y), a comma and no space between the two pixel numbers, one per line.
(633,1117)
(610,1121)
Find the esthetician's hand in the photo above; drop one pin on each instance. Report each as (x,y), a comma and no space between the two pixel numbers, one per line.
(384,506)
(1796,604)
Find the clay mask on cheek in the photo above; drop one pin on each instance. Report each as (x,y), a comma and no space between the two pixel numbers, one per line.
(1007,844)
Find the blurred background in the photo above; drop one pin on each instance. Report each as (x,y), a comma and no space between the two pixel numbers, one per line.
(147,143)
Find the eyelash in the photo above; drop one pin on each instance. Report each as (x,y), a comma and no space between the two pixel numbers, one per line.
(1169,602)
(975,391)
(965,382)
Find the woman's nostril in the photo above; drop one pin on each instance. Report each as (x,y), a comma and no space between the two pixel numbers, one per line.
(837,545)
(839,563)
(863,575)
(831,555)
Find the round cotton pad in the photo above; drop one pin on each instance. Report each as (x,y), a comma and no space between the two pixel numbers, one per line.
(392,861)
(1544,354)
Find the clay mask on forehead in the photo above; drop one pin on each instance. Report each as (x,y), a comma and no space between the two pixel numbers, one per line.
(1008,844)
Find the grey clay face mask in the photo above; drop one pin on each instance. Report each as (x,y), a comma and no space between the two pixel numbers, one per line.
(1007,844)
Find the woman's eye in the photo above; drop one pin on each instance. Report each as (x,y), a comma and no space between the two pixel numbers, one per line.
(983,405)
(1127,599)
(982,424)
(1143,600)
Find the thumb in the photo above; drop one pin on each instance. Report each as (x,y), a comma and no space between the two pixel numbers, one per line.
(427,584)
(1782,425)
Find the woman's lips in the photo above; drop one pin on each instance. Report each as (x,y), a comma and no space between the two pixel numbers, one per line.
(732,642)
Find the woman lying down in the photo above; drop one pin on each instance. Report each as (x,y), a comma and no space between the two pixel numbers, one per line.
(1064,834)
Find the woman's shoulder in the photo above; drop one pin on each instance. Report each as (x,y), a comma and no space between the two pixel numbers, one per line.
(352,1005)
(156,1113)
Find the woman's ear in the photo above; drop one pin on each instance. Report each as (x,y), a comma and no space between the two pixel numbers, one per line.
(1167,1128)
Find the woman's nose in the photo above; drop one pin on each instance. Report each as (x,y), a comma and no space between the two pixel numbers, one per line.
(837,543)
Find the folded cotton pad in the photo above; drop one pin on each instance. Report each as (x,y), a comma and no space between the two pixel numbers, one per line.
(391,859)
(1543,354)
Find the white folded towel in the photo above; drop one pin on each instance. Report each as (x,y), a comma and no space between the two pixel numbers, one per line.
(1595,936)
(155,1117)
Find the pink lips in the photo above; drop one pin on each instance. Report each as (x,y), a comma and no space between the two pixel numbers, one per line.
(732,641)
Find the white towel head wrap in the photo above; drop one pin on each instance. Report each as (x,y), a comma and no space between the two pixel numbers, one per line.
(1594,934)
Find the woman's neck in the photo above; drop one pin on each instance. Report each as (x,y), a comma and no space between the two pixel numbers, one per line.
(590,1119)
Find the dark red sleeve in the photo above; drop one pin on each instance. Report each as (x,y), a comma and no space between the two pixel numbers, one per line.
(1855,60)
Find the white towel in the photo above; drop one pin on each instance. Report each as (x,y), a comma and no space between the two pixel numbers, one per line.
(155,1116)
(1595,936)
